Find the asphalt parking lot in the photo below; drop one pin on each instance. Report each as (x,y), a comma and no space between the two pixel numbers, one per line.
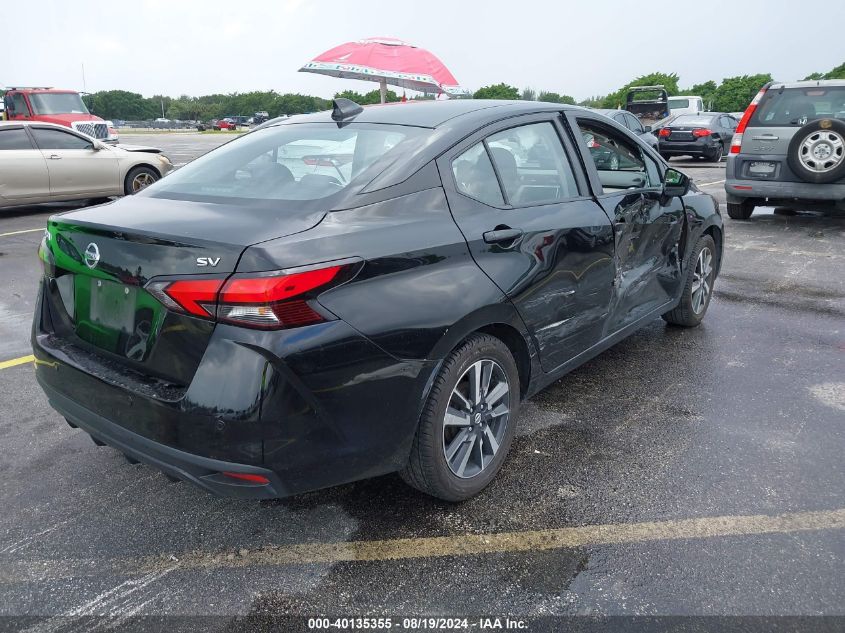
(682,472)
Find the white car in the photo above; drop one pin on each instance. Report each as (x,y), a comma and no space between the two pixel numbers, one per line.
(43,162)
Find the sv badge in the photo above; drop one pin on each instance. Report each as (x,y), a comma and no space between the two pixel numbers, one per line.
(208,261)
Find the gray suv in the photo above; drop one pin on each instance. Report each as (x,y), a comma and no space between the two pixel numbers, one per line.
(789,149)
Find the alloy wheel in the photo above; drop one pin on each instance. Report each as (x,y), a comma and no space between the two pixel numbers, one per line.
(476,418)
(141,181)
(702,280)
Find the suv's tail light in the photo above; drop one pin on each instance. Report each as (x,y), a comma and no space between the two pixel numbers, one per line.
(701,131)
(259,300)
(664,131)
(736,142)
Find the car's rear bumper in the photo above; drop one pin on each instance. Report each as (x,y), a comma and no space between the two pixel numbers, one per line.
(202,471)
(688,148)
(785,193)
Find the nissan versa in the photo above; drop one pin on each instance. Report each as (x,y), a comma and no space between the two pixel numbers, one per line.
(363,291)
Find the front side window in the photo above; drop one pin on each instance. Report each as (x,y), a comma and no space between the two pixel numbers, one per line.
(56,139)
(532,165)
(619,161)
(474,176)
(19,104)
(14,139)
(57,103)
(301,162)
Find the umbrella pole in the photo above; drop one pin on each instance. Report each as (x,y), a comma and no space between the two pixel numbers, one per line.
(383,90)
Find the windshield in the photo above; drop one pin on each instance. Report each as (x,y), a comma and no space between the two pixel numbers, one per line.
(57,103)
(678,103)
(302,162)
(797,106)
(692,119)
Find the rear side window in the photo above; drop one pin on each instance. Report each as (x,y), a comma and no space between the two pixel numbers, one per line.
(56,139)
(297,162)
(532,165)
(797,106)
(14,139)
(474,176)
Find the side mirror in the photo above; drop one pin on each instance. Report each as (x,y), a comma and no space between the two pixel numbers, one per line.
(97,146)
(675,183)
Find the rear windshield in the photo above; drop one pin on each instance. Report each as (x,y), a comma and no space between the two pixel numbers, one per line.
(797,106)
(678,103)
(693,119)
(301,162)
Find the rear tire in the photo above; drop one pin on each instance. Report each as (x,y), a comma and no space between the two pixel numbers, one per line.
(740,210)
(717,155)
(698,288)
(456,461)
(139,178)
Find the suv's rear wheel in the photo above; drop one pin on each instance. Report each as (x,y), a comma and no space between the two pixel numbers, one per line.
(817,151)
(740,210)
(467,425)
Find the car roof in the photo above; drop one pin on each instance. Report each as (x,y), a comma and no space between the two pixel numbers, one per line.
(17,123)
(816,83)
(432,114)
(608,111)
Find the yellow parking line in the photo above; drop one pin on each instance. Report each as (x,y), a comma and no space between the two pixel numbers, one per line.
(21,232)
(17,361)
(475,544)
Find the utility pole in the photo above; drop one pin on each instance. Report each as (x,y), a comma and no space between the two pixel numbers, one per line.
(162,107)
(84,87)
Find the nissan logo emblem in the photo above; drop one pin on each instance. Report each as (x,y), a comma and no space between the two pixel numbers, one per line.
(92,255)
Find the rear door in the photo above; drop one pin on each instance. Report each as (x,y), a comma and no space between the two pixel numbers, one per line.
(76,169)
(23,170)
(647,228)
(522,204)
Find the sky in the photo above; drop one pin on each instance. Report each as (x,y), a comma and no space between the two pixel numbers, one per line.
(582,48)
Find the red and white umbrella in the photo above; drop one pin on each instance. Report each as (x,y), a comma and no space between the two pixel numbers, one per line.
(387,61)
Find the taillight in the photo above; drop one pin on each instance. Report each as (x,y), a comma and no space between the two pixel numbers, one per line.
(664,132)
(259,300)
(275,301)
(700,131)
(736,142)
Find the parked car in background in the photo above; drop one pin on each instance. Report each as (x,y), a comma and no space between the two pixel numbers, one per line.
(686,105)
(262,332)
(628,120)
(789,149)
(225,124)
(706,135)
(44,162)
(62,107)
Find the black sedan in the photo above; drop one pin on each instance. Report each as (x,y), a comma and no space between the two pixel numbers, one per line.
(262,327)
(706,135)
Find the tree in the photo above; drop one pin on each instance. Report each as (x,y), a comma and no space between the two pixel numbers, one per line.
(368,98)
(497,91)
(553,97)
(529,94)
(735,93)
(836,73)
(119,104)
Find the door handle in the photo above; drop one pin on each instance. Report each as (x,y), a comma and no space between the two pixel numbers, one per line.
(54,157)
(502,235)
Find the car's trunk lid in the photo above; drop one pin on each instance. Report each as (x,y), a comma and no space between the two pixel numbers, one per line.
(101,259)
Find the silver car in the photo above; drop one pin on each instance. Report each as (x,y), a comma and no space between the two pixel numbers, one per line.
(44,162)
(789,149)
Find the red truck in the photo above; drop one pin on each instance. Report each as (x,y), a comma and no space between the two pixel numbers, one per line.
(64,107)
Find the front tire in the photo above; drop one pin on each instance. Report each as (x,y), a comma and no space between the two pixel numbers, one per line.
(139,178)
(467,425)
(698,288)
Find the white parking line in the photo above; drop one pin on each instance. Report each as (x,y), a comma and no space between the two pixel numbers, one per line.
(715,182)
(21,232)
